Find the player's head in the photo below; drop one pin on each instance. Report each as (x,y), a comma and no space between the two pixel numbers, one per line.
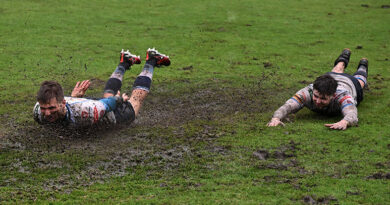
(323,89)
(51,101)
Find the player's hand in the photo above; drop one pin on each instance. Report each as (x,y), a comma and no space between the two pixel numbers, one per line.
(80,88)
(275,122)
(341,125)
(125,97)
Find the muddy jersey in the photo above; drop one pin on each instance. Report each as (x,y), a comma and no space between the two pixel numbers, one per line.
(344,101)
(83,112)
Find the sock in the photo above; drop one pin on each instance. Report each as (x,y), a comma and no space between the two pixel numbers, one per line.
(361,74)
(114,83)
(144,79)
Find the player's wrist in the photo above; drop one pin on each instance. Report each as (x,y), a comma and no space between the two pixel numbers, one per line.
(345,122)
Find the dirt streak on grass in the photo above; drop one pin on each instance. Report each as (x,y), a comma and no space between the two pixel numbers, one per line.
(168,131)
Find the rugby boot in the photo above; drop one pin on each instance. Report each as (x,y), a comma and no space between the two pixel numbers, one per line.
(127,59)
(344,57)
(159,59)
(363,63)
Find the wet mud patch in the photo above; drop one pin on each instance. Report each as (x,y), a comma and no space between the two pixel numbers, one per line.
(379,175)
(283,158)
(97,83)
(267,64)
(187,67)
(82,158)
(284,161)
(169,109)
(376,85)
(280,158)
(159,139)
(318,200)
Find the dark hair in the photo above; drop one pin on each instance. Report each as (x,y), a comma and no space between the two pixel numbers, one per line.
(49,90)
(325,85)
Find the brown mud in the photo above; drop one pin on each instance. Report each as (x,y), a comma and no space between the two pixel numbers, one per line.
(379,175)
(159,139)
(170,128)
(319,200)
(284,158)
(281,158)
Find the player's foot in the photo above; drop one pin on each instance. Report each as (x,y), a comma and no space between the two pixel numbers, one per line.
(128,59)
(159,58)
(363,63)
(344,57)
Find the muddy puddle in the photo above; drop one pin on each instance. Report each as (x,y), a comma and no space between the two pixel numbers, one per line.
(159,139)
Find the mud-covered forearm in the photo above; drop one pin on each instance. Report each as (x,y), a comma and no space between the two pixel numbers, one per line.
(291,106)
(351,115)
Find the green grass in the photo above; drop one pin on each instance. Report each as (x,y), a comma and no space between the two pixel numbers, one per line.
(227,44)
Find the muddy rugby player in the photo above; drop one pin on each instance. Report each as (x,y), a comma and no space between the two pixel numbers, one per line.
(332,93)
(53,107)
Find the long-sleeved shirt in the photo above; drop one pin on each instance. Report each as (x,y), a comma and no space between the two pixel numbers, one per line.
(343,101)
(82,112)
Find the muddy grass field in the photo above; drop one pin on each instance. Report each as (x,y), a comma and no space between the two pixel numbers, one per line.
(201,136)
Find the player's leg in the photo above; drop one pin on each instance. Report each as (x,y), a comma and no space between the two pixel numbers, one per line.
(144,80)
(114,83)
(342,61)
(362,72)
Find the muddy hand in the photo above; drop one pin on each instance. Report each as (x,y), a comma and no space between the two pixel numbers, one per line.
(125,97)
(341,125)
(80,88)
(275,122)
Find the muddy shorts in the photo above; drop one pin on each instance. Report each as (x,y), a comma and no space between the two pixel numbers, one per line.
(358,87)
(124,113)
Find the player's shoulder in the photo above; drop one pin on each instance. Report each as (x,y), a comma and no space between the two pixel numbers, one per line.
(71,100)
(37,108)
(37,112)
(306,91)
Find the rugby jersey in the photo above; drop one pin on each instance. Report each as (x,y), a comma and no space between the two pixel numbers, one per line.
(344,101)
(83,111)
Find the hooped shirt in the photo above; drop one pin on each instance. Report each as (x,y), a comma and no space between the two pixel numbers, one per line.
(83,112)
(344,101)
(341,99)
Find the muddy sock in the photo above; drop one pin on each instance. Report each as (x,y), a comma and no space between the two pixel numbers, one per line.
(144,79)
(114,83)
(361,74)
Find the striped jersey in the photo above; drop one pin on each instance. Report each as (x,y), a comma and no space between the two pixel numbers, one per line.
(344,101)
(82,112)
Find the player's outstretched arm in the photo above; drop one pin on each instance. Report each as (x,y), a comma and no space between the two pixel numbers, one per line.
(80,88)
(292,105)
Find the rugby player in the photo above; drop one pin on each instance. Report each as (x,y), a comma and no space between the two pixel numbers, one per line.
(53,107)
(333,93)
